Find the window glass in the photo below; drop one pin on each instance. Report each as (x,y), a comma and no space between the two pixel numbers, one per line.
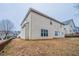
(44,32)
(41,34)
(41,30)
(56,33)
(50,22)
(62,33)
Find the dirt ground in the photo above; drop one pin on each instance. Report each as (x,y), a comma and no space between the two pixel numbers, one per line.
(54,47)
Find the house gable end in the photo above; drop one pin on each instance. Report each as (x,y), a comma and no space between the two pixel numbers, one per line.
(31,9)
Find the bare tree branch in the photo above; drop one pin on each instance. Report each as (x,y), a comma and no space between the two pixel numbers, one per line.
(6,27)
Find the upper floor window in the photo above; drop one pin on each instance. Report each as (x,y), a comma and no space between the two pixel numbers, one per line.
(50,22)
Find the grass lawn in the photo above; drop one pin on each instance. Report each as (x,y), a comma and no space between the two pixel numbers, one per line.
(54,47)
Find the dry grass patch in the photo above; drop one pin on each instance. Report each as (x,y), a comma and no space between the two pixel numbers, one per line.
(57,47)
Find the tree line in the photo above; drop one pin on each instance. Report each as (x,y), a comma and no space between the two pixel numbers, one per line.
(6,26)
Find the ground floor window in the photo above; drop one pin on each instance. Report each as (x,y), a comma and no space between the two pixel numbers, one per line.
(44,32)
(62,33)
(56,33)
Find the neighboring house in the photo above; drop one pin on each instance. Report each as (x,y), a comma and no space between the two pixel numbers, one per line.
(69,26)
(77,29)
(16,33)
(37,25)
(11,34)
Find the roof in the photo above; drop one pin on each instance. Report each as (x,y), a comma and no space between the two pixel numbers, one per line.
(68,22)
(77,27)
(31,9)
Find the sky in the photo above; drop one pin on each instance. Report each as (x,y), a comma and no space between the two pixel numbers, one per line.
(59,11)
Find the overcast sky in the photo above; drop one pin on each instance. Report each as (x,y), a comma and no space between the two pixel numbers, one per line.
(17,12)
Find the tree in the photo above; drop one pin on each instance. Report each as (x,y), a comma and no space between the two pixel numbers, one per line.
(6,27)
